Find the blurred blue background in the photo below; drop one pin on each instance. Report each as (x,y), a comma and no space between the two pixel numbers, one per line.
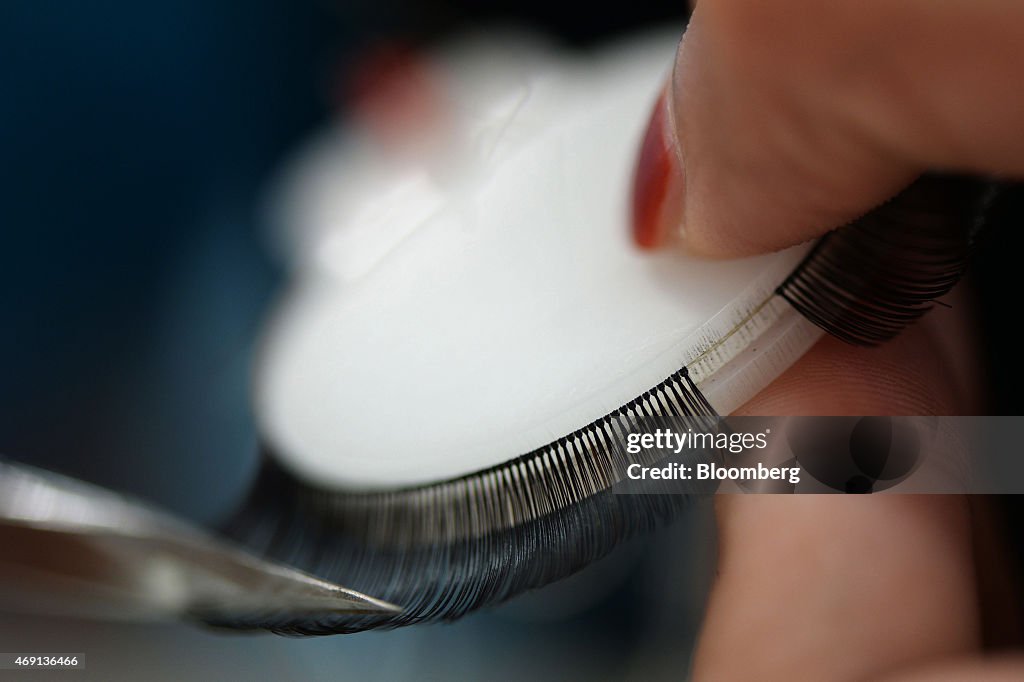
(137,139)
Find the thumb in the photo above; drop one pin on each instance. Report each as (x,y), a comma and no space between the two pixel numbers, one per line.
(784,120)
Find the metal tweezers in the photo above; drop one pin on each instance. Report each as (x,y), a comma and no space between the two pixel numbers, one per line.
(71,548)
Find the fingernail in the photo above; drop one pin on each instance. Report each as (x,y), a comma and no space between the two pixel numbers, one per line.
(657,182)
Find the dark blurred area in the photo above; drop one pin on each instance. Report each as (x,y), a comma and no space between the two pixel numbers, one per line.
(136,140)
(996,260)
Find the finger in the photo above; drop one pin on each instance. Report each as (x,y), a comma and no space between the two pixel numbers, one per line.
(844,587)
(838,587)
(783,120)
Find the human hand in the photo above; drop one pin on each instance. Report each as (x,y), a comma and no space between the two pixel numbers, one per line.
(781,121)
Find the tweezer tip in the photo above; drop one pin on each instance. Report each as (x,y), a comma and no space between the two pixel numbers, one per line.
(268,585)
(349,601)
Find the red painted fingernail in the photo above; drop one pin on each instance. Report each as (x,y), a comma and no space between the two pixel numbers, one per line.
(657,182)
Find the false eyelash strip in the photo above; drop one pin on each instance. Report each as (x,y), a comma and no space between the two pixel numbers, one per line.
(445,549)
(866,282)
(440,325)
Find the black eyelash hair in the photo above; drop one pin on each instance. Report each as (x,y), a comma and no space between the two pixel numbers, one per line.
(865,282)
(443,550)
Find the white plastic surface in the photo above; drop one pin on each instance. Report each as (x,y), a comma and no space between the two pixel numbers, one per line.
(480,317)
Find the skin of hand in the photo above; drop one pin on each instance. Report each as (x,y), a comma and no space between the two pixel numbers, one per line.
(780,121)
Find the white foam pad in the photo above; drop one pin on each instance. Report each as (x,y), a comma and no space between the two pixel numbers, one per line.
(477,318)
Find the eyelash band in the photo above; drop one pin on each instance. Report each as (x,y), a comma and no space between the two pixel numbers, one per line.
(438,329)
(864,283)
(445,549)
